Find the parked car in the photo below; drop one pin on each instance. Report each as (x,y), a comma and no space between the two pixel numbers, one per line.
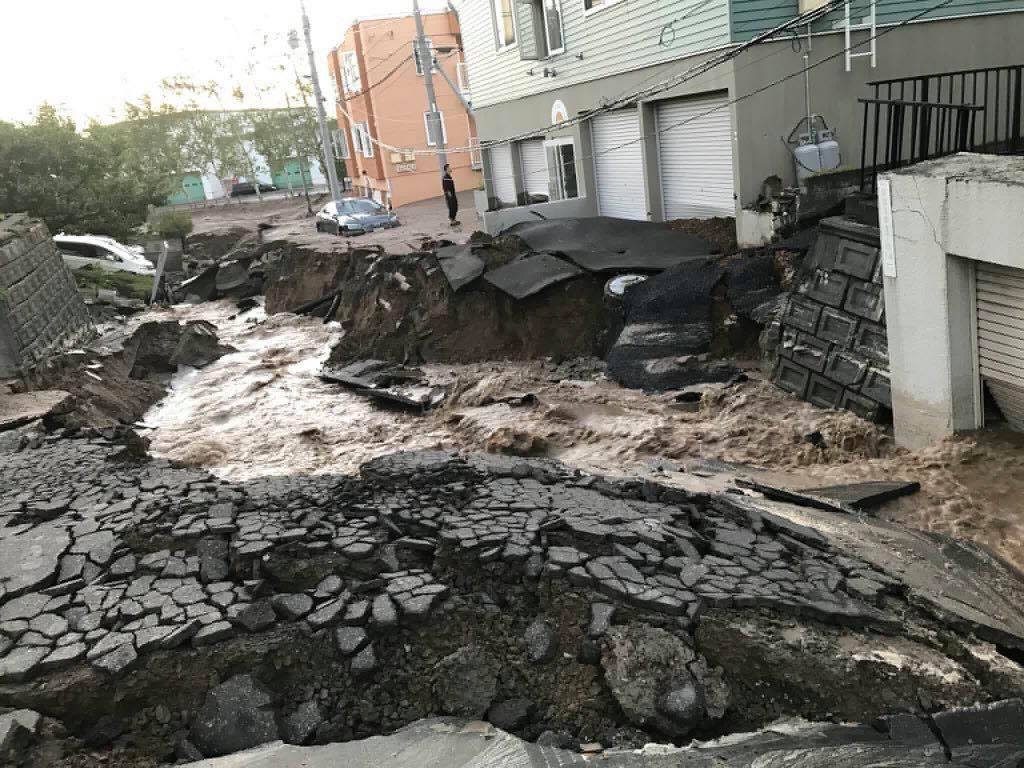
(354,216)
(244,187)
(101,251)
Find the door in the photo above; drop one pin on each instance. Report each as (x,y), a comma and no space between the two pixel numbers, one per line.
(502,174)
(1001,338)
(695,157)
(619,165)
(535,170)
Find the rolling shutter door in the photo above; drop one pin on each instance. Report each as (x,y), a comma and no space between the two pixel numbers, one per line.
(618,163)
(695,156)
(1001,338)
(503,181)
(535,167)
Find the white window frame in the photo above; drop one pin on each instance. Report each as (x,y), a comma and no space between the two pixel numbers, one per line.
(598,9)
(416,58)
(561,142)
(341,144)
(496,15)
(361,139)
(561,28)
(351,79)
(426,129)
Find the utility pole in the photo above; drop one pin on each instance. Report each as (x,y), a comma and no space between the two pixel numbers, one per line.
(325,135)
(427,65)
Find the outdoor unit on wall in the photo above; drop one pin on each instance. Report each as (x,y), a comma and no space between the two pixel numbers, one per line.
(811,5)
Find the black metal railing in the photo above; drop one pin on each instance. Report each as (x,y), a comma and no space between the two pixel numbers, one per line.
(926,116)
(905,132)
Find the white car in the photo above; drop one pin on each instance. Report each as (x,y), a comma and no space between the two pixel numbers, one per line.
(100,251)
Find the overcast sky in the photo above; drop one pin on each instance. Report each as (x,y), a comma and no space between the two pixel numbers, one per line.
(90,57)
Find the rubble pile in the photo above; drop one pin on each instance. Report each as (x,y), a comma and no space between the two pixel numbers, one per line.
(167,613)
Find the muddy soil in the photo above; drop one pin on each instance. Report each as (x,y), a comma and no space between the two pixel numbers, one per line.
(264,411)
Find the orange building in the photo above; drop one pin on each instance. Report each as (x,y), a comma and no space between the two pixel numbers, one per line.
(382,108)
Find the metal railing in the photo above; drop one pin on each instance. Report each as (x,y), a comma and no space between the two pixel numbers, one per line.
(915,118)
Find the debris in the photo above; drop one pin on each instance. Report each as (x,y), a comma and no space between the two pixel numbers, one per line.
(531,275)
(800,498)
(235,716)
(387,383)
(460,266)
(865,496)
(26,407)
(199,345)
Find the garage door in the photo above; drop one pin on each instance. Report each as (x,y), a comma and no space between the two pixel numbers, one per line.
(695,156)
(535,169)
(1001,338)
(503,183)
(618,163)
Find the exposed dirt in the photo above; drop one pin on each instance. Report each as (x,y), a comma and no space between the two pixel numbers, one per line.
(719,231)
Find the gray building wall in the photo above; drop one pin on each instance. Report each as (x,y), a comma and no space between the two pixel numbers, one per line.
(41,310)
(915,49)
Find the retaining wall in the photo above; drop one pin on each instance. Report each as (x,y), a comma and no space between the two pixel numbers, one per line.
(831,345)
(41,310)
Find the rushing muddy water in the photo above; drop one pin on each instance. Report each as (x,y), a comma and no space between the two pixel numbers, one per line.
(263,410)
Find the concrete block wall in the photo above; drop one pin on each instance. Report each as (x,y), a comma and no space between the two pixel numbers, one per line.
(41,310)
(830,339)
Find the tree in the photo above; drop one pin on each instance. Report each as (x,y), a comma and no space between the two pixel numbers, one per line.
(95,182)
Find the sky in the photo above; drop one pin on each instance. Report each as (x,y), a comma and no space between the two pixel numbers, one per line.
(89,58)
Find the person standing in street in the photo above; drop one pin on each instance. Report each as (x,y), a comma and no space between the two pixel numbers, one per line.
(452,199)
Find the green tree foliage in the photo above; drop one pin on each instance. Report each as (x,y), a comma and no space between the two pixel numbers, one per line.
(99,181)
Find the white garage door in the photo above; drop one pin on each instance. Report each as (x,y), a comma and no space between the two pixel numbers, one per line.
(535,168)
(1001,338)
(618,163)
(695,155)
(502,175)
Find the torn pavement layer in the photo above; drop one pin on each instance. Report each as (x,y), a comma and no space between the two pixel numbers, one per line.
(169,582)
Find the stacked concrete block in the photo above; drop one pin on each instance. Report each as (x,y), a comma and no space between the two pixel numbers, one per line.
(832,348)
(41,310)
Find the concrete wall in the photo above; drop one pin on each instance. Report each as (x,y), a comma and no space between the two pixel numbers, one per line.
(41,311)
(918,48)
(392,102)
(946,215)
(503,218)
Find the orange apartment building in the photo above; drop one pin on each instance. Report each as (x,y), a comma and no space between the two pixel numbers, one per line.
(382,108)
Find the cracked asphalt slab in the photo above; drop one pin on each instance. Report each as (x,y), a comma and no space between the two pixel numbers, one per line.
(436,583)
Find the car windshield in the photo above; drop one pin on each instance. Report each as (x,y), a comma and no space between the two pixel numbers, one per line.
(361,206)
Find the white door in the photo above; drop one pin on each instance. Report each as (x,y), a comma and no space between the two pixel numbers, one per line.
(619,165)
(695,157)
(535,168)
(503,183)
(1001,338)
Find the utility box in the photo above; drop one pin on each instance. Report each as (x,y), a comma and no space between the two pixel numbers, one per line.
(41,311)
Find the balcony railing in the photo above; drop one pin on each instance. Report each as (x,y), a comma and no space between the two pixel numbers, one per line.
(917,118)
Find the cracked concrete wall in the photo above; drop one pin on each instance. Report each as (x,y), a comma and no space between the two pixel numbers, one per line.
(946,215)
(41,311)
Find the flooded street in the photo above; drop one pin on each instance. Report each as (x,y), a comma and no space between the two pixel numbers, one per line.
(263,410)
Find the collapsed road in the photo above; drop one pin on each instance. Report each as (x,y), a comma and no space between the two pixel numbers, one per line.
(164,613)
(527,564)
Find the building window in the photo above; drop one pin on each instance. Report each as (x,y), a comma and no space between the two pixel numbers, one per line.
(505,22)
(340,144)
(561,155)
(593,5)
(432,140)
(361,139)
(350,79)
(416,57)
(552,14)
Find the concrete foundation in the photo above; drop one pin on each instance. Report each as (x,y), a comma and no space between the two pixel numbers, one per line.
(938,220)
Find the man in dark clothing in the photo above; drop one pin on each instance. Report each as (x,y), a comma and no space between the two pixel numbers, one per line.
(448,185)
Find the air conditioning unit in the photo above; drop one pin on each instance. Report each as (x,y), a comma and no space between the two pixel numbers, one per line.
(811,5)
